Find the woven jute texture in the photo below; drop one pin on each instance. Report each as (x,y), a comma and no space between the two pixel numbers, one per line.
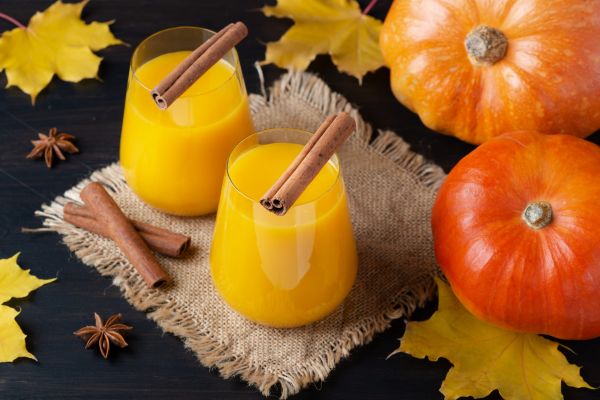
(390,190)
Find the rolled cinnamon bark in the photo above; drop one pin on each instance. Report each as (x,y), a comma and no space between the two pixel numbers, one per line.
(308,163)
(123,233)
(158,239)
(197,63)
(267,199)
(172,76)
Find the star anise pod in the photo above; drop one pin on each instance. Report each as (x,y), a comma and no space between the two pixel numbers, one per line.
(104,333)
(53,143)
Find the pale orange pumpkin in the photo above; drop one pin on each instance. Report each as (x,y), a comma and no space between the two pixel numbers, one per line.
(477,68)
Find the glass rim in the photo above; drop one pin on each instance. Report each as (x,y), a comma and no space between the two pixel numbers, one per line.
(272,130)
(233,51)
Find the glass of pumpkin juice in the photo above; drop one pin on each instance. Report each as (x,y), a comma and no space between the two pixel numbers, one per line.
(281,271)
(175,159)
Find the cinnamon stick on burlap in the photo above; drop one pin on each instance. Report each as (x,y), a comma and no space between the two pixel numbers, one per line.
(158,239)
(197,63)
(332,133)
(123,233)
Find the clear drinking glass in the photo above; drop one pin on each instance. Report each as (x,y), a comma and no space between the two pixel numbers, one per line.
(174,159)
(281,271)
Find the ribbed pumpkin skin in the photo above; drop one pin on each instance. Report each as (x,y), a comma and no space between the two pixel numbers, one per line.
(540,281)
(549,80)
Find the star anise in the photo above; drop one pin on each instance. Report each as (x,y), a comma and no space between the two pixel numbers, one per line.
(104,333)
(53,143)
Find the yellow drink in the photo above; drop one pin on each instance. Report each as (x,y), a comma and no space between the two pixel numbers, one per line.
(282,271)
(175,159)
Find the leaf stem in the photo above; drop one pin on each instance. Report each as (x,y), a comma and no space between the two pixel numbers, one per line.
(369,7)
(12,20)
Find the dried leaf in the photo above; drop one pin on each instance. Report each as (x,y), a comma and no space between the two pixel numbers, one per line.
(12,338)
(14,282)
(56,41)
(17,282)
(486,358)
(336,27)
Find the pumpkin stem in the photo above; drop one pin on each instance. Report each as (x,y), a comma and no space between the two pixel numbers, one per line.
(486,45)
(537,214)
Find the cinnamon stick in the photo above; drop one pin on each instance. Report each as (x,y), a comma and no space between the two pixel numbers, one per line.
(158,239)
(305,167)
(197,63)
(123,233)
(266,200)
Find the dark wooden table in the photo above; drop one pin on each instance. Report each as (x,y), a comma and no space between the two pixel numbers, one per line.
(156,365)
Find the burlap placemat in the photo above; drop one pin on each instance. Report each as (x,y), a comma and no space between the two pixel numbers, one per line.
(391,192)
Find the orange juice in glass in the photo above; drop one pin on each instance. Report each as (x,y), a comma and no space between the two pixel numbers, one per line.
(175,159)
(281,271)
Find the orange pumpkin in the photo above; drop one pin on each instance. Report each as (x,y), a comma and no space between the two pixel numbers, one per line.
(477,68)
(516,227)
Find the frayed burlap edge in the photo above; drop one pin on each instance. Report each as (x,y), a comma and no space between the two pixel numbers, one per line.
(176,319)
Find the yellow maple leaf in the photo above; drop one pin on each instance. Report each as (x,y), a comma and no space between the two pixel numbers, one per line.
(56,41)
(12,338)
(14,282)
(337,27)
(521,366)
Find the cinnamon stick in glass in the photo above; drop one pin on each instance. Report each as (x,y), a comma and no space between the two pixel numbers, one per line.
(266,200)
(197,63)
(122,232)
(158,239)
(305,167)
